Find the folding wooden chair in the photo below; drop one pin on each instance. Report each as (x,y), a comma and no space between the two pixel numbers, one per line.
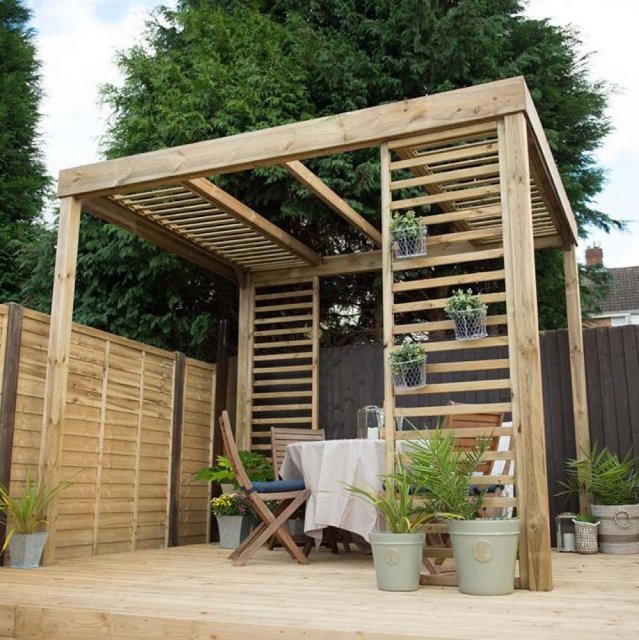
(290,495)
(282,436)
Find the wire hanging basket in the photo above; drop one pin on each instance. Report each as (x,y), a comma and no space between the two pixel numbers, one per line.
(408,244)
(469,325)
(409,374)
(586,537)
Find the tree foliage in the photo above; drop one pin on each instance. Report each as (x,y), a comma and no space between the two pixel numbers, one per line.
(23,180)
(214,68)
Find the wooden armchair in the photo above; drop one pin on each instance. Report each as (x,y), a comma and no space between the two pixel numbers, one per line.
(289,494)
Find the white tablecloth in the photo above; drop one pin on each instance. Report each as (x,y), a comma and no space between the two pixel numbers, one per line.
(327,467)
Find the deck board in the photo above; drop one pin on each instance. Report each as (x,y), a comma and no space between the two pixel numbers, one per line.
(194,593)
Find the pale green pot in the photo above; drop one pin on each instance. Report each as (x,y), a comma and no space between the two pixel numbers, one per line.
(485,554)
(398,560)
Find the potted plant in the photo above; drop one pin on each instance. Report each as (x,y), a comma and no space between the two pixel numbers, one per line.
(408,365)
(468,314)
(25,517)
(612,486)
(234,519)
(586,533)
(397,550)
(485,549)
(257,466)
(408,235)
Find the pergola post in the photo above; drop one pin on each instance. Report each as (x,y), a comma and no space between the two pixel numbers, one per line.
(55,393)
(577,364)
(244,365)
(387,306)
(524,353)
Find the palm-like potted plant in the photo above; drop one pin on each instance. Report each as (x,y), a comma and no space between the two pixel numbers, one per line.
(397,549)
(408,235)
(25,517)
(612,486)
(468,314)
(408,365)
(485,549)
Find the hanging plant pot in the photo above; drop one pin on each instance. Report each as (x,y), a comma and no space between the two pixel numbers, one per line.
(586,536)
(409,243)
(410,374)
(469,325)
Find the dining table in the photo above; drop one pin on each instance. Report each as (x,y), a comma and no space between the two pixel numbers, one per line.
(329,467)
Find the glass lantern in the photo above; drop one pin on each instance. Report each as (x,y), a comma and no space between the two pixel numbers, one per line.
(566,532)
(370,421)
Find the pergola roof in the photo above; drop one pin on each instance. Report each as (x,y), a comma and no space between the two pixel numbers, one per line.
(165,195)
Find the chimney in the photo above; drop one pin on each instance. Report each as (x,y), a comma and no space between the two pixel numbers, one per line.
(594,255)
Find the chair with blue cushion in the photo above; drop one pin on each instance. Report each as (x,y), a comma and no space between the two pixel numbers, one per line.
(290,494)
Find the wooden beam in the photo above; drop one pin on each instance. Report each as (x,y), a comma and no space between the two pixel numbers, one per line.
(577,361)
(55,392)
(9,372)
(177,428)
(155,233)
(330,198)
(549,173)
(225,201)
(524,353)
(387,309)
(347,264)
(245,365)
(311,138)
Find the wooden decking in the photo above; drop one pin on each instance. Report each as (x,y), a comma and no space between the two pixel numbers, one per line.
(193,593)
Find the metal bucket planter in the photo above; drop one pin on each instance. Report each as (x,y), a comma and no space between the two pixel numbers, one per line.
(408,244)
(618,528)
(485,554)
(233,529)
(410,374)
(25,549)
(586,536)
(469,325)
(398,560)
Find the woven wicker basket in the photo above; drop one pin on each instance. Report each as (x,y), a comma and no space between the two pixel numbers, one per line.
(586,536)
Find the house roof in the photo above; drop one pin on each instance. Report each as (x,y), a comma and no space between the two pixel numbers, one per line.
(624,290)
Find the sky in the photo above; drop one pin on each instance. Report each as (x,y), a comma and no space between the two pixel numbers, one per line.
(78,40)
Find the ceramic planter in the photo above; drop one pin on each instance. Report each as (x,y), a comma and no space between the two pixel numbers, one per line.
(618,528)
(398,560)
(25,549)
(485,554)
(228,488)
(233,529)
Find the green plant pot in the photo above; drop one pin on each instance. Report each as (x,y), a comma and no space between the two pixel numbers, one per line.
(233,529)
(485,554)
(618,528)
(25,549)
(398,560)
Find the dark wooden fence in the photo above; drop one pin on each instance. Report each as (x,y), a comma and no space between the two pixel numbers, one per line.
(351,377)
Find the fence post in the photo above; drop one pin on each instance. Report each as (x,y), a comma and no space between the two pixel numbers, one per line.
(10,371)
(177,420)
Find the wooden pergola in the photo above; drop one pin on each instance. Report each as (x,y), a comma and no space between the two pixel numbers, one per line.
(477,158)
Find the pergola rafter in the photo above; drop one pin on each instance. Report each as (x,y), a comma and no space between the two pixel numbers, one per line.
(475,166)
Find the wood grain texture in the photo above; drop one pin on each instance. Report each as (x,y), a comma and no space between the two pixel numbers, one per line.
(170,593)
(524,351)
(331,134)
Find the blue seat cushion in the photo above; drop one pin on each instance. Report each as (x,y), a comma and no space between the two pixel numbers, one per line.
(277,486)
